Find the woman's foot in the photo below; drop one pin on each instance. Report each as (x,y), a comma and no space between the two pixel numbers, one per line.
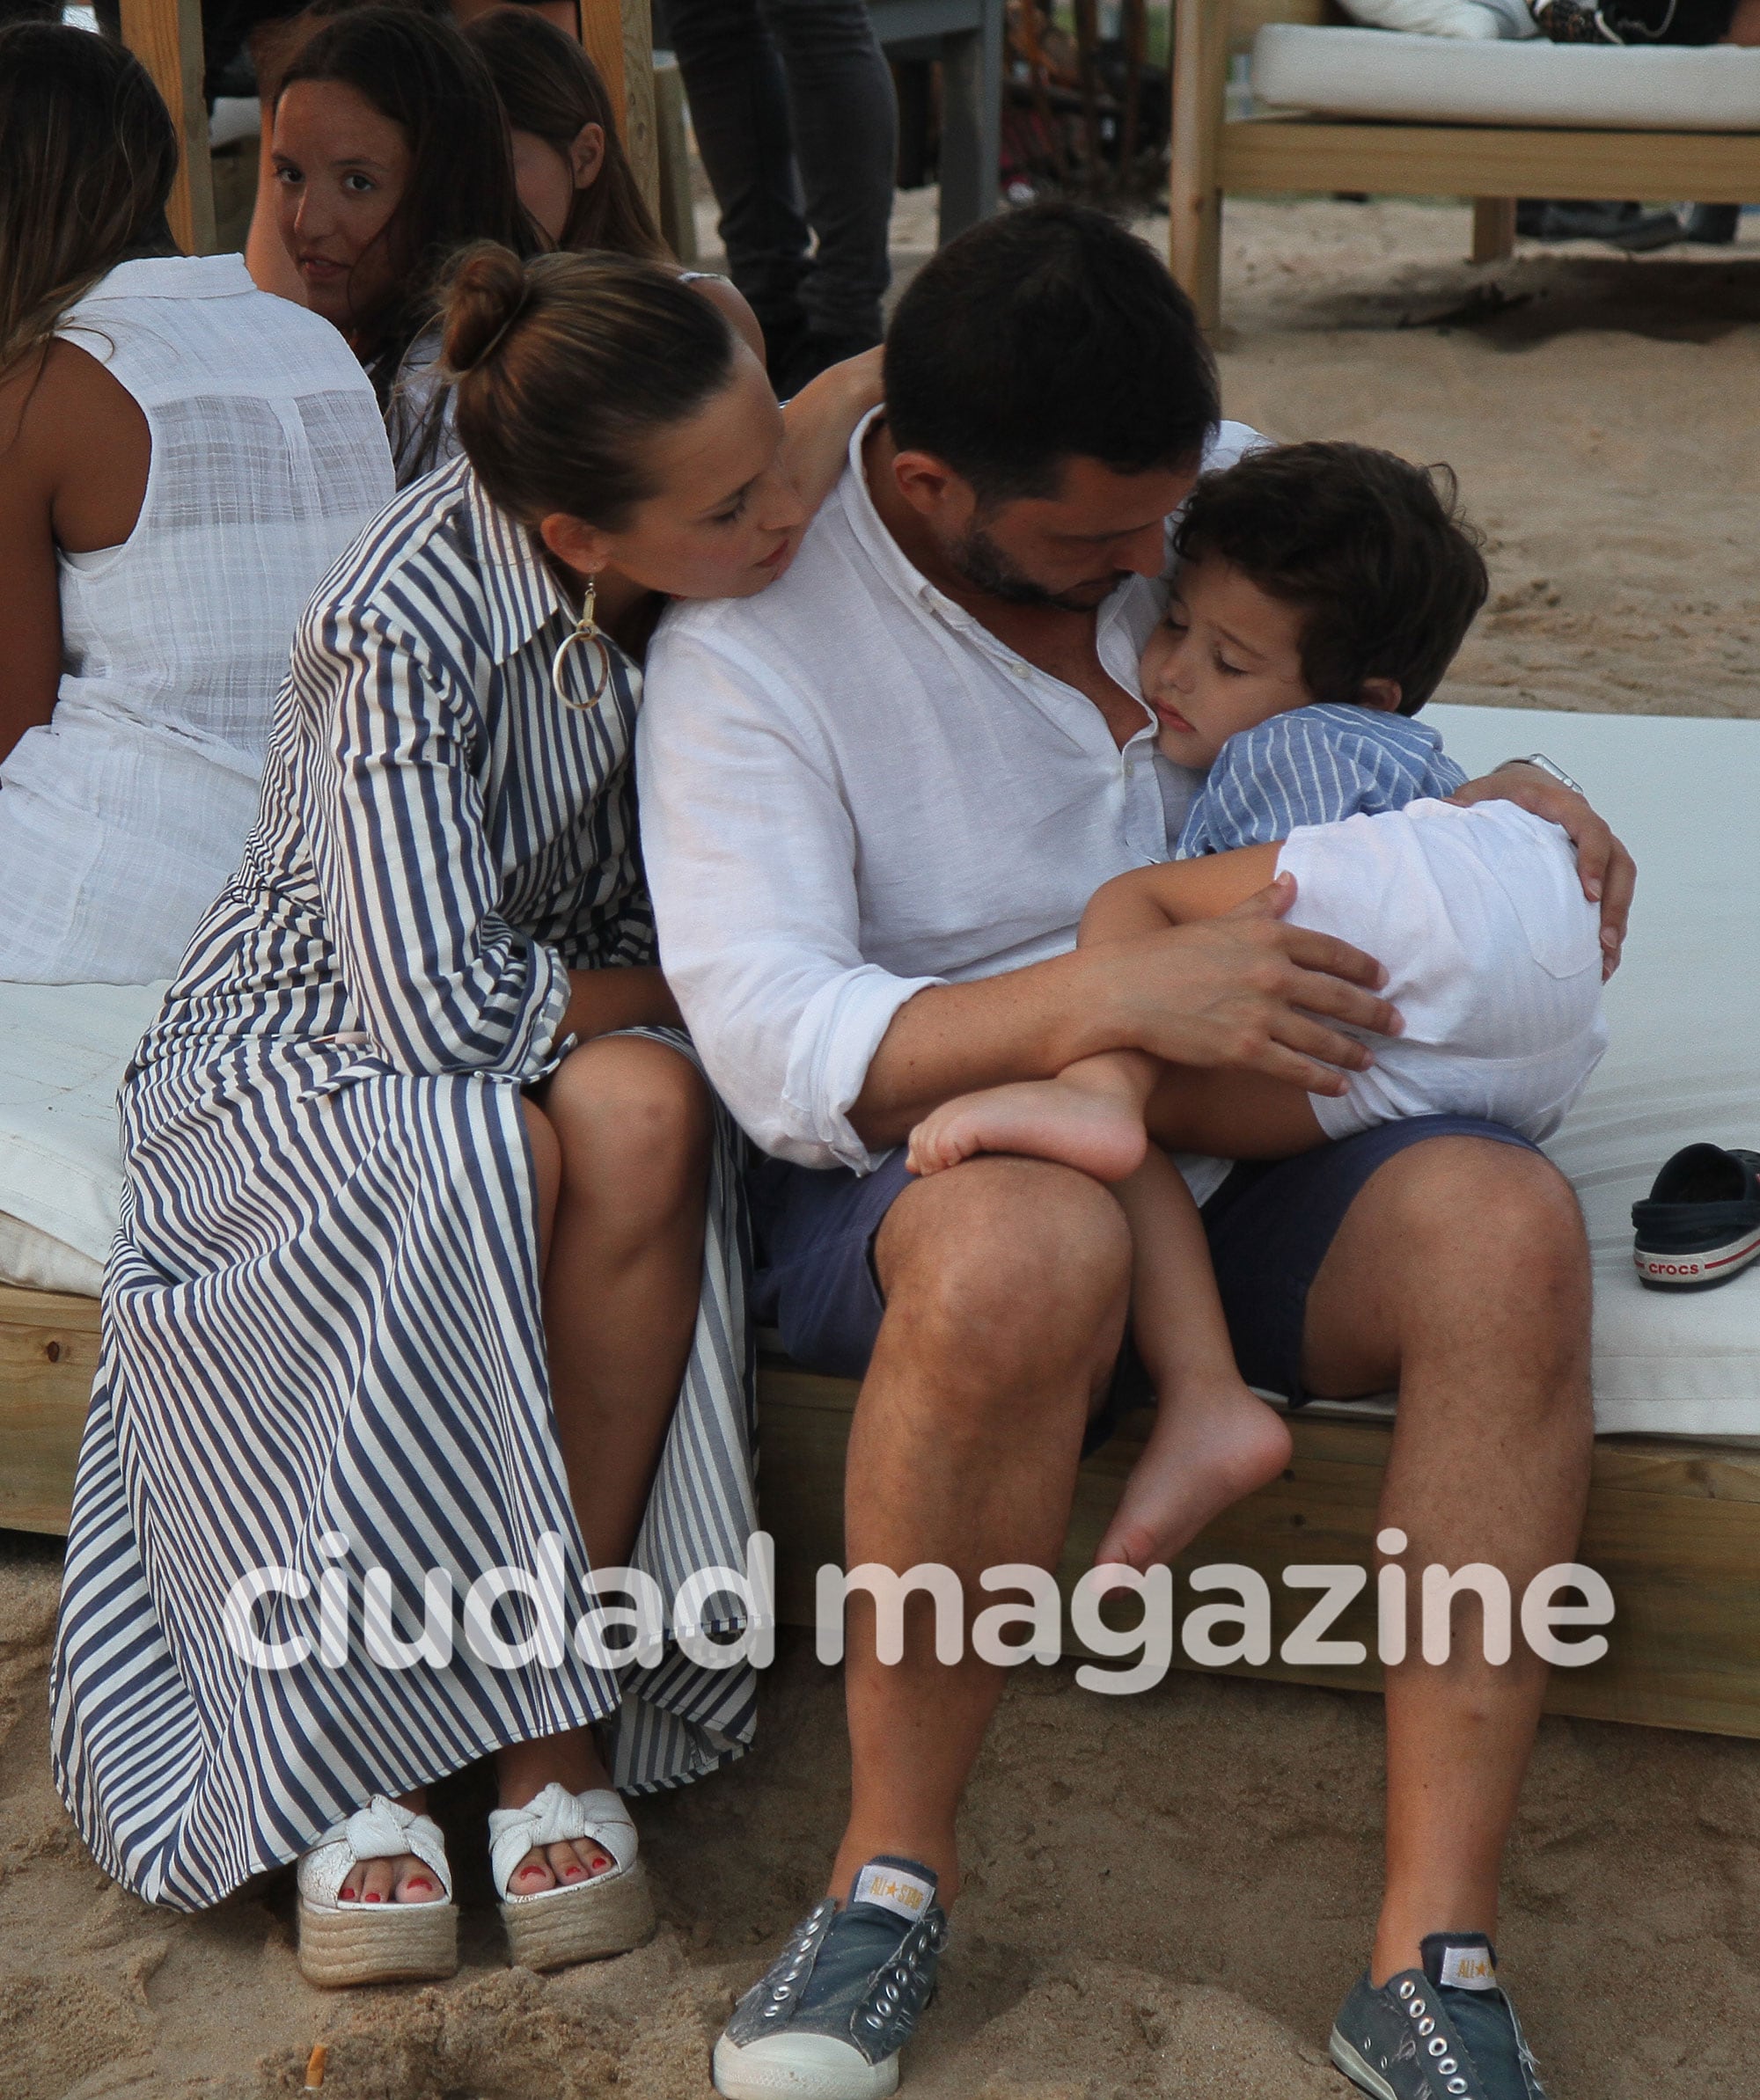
(1046,1119)
(524,1770)
(405,1879)
(1210,1445)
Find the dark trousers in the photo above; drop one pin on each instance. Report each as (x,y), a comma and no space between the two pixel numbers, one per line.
(797,124)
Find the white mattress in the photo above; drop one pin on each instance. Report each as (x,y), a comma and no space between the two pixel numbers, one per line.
(1685,1061)
(63,1051)
(1382,73)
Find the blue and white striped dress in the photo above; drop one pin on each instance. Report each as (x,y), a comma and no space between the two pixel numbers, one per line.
(321,1315)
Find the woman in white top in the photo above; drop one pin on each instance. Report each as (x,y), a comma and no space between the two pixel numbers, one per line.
(182,458)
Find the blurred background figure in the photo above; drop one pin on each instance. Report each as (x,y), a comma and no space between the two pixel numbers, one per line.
(797,122)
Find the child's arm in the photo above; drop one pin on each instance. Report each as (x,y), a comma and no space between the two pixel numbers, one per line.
(1173,893)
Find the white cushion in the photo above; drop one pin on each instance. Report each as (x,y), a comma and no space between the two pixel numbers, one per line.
(1450,79)
(1684,1060)
(1683,1063)
(63,1048)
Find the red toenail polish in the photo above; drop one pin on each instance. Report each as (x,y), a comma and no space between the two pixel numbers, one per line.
(373,1896)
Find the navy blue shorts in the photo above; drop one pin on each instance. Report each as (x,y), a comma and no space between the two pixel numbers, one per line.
(1269,1224)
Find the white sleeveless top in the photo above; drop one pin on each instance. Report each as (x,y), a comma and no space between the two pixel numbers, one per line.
(121,818)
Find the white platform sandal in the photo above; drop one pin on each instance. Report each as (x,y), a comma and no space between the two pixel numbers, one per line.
(374,1942)
(575,1921)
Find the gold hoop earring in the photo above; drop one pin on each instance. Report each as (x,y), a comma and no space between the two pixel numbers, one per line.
(586,630)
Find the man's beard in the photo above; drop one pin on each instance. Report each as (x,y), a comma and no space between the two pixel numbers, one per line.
(984,564)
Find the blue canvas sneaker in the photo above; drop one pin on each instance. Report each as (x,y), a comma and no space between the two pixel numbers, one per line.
(1445,2031)
(828,2017)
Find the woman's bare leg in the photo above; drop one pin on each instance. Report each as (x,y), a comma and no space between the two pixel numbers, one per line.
(621,1146)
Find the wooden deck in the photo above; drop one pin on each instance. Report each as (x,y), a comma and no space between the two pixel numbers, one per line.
(1674,1524)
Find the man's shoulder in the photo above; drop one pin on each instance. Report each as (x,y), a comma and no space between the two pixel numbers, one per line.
(1232,442)
(794,607)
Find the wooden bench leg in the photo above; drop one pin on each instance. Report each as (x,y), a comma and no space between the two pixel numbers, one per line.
(1194,194)
(165,35)
(1493,229)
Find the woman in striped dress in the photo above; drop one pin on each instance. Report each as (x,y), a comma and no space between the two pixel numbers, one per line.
(430,1255)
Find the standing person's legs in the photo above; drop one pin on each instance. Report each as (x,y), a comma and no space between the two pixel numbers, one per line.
(845,113)
(740,111)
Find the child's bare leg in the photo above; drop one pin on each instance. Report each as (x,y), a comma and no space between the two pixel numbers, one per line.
(1214,1440)
(1089,1117)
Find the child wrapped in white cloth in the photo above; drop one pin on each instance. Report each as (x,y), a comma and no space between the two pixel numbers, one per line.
(1323,590)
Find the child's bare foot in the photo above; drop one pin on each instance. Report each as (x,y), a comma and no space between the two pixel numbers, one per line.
(1046,1119)
(1210,1445)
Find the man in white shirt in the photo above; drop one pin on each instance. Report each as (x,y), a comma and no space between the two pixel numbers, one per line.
(876,799)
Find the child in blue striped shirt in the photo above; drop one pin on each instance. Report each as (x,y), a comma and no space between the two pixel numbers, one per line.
(1323,592)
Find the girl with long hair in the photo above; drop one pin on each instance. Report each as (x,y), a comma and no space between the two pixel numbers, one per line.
(390,154)
(574,176)
(181,458)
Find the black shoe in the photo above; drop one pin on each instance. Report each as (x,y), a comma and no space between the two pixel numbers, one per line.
(1700,1223)
(828,2017)
(1714,225)
(1442,2032)
(1627,225)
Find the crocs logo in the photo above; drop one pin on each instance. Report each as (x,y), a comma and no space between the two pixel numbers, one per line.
(1655,1268)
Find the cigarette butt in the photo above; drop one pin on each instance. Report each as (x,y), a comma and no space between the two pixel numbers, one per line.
(314,2067)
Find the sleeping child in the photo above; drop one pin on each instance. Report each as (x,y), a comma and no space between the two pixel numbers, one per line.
(1322,593)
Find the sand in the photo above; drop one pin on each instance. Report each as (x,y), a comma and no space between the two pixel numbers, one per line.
(1167,1895)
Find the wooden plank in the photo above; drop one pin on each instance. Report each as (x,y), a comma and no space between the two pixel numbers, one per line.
(677,206)
(618,37)
(1471,160)
(165,35)
(49,1351)
(1674,1526)
(1194,192)
(1493,229)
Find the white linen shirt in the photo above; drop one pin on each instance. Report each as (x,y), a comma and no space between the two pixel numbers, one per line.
(850,790)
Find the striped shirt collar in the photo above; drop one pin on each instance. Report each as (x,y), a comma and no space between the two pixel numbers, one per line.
(520,593)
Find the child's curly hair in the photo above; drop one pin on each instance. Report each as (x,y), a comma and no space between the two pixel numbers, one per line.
(1372,549)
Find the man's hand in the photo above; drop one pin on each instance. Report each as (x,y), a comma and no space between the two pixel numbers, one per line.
(1245,992)
(1609,873)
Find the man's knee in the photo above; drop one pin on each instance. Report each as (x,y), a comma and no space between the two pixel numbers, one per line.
(1009,1268)
(1476,1210)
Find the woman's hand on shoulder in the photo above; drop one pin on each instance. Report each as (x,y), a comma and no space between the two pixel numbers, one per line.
(821,419)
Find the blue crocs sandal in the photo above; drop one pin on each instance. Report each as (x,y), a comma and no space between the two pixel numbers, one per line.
(1445,2031)
(1700,1225)
(828,2017)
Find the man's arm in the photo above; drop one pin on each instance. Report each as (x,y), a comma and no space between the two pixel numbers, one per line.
(1609,873)
(823,1055)
(1238,992)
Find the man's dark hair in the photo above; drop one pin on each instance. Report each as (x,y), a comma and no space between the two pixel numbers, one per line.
(1373,550)
(1043,335)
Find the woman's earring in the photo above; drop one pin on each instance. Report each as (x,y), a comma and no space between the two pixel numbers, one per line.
(586,631)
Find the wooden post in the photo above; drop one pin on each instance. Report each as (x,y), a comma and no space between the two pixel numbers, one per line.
(1201,65)
(165,35)
(1493,229)
(619,36)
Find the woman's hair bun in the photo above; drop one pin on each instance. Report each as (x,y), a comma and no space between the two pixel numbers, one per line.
(486,291)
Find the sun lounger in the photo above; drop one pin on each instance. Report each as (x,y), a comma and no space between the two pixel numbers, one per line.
(1376,111)
(1675,1514)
